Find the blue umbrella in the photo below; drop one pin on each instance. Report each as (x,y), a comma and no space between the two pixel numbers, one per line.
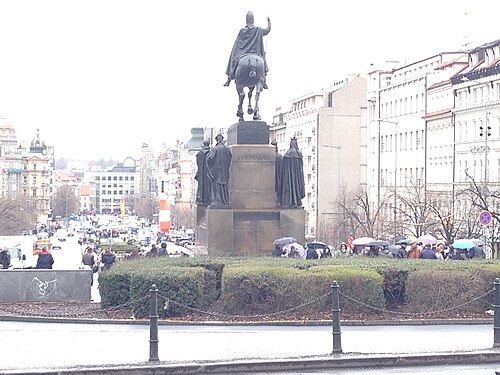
(463,244)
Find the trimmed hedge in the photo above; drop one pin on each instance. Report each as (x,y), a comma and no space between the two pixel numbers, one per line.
(266,285)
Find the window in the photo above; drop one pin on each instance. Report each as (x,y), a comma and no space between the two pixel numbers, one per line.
(34,180)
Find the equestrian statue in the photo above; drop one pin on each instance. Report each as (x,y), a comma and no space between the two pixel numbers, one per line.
(247,65)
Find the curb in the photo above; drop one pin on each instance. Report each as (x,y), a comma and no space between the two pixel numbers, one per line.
(335,362)
(294,323)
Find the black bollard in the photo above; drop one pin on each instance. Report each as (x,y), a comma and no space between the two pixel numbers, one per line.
(496,310)
(337,345)
(153,325)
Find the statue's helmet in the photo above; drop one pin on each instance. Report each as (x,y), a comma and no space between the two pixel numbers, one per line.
(250,18)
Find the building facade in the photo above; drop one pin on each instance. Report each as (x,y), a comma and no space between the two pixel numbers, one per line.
(330,128)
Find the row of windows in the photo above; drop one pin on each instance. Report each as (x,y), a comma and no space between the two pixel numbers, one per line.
(402,106)
(114,178)
(471,130)
(405,176)
(477,95)
(115,185)
(405,141)
(115,192)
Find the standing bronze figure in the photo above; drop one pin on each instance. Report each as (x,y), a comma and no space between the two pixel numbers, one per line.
(218,163)
(203,192)
(247,65)
(292,177)
(278,178)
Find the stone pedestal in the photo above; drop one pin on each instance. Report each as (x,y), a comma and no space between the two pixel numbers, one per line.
(248,232)
(248,133)
(253,220)
(251,178)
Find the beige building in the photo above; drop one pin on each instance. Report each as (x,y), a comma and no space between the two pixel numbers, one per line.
(330,127)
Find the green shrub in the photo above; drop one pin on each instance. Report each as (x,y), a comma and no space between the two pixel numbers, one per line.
(114,287)
(447,292)
(180,290)
(360,289)
(270,290)
(255,289)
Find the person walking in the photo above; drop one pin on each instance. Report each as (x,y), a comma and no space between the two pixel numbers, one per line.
(5,259)
(428,252)
(89,260)
(45,259)
(108,258)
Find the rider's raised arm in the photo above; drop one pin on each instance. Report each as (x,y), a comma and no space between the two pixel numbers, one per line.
(266,31)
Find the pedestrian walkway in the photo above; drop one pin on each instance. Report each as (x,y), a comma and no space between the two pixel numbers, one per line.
(61,345)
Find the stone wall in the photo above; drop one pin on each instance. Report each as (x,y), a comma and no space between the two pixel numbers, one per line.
(45,285)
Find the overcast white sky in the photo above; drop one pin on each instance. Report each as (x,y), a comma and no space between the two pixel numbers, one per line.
(100,77)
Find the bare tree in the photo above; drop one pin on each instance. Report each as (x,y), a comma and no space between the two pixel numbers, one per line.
(15,217)
(484,197)
(414,211)
(65,202)
(143,206)
(362,218)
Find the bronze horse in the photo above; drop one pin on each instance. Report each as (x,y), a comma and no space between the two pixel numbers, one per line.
(250,73)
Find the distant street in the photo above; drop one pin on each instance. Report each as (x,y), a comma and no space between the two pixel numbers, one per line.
(98,344)
(69,257)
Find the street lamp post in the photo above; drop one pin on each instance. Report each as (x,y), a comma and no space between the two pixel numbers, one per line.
(395,172)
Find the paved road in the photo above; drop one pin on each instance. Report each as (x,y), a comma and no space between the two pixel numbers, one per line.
(98,344)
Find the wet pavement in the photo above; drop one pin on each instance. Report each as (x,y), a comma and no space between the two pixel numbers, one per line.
(27,345)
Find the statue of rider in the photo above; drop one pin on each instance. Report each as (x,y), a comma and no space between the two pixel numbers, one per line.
(250,39)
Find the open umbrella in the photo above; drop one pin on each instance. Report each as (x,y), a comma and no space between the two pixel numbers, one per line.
(427,239)
(463,244)
(362,241)
(316,245)
(394,250)
(477,241)
(284,241)
(405,241)
(378,243)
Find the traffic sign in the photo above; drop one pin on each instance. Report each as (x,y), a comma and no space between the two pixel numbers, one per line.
(485,217)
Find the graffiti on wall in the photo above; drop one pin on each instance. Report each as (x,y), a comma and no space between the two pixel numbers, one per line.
(45,288)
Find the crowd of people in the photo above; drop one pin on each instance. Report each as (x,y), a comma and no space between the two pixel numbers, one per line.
(406,250)
(417,250)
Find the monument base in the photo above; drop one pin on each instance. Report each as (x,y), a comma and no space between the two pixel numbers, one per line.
(248,133)
(236,232)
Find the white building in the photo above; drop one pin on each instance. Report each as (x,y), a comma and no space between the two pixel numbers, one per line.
(397,135)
